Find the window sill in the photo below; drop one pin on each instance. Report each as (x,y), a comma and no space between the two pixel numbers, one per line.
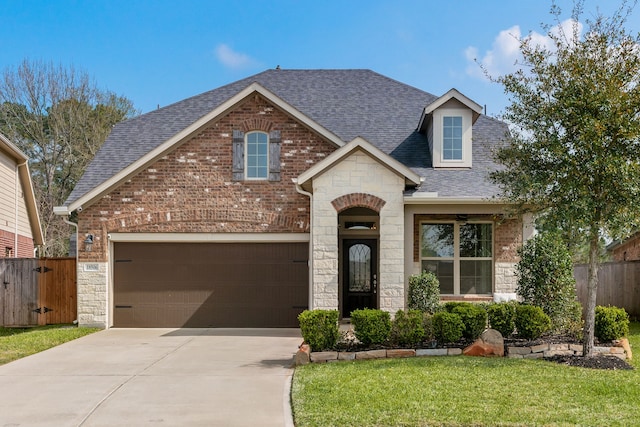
(468,298)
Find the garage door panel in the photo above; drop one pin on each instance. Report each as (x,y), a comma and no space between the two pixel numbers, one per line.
(209,285)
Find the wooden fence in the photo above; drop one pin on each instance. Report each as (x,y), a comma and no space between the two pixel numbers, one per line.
(618,285)
(37,291)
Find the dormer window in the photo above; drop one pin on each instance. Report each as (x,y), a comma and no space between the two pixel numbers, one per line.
(448,123)
(452,138)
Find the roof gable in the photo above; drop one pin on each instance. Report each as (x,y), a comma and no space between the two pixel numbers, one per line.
(358,144)
(21,159)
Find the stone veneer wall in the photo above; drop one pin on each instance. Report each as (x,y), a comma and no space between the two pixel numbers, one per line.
(358,173)
(92,294)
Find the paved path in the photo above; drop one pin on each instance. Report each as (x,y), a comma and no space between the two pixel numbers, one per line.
(170,377)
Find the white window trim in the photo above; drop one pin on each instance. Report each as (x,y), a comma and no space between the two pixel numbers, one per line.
(456,255)
(246,157)
(438,139)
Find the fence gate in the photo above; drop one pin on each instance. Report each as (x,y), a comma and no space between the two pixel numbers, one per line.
(18,291)
(37,291)
(57,300)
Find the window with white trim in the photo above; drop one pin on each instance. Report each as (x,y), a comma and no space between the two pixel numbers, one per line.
(460,255)
(452,138)
(257,155)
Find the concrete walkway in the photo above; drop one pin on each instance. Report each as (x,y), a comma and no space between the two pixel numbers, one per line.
(171,377)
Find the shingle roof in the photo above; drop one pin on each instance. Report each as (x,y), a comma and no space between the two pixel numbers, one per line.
(349,103)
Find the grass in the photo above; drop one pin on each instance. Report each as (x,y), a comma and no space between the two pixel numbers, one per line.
(16,343)
(463,391)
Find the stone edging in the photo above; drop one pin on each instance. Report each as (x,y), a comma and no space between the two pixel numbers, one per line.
(305,356)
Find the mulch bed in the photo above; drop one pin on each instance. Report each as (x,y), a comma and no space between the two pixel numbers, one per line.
(595,362)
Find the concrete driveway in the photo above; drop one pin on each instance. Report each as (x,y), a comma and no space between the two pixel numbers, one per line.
(171,377)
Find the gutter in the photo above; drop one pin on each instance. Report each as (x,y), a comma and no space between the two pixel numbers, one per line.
(74,225)
(310,262)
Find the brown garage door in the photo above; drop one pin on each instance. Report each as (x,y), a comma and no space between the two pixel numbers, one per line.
(209,284)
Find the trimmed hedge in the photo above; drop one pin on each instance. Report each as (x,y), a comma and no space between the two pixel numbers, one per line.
(371,326)
(319,328)
(612,323)
(531,321)
(447,327)
(424,292)
(474,318)
(502,317)
(407,328)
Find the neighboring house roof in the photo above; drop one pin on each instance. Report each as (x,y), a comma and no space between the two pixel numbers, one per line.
(341,104)
(21,159)
(617,243)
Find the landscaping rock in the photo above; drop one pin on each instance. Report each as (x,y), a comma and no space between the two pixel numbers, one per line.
(432,352)
(324,356)
(346,355)
(624,343)
(302,356)
(398,353)
(454,351)
(518,351)
(371,354)
(490,343)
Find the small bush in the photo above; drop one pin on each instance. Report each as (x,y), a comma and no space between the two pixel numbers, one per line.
(319,328)
(424,292)
(473,316)
(427,325)
(371,326)
(612,323)
(407,328)
(502,317)
(447,327)
(531,321)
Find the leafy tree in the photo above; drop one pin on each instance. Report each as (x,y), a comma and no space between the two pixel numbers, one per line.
(545,279)
(575,153)
(59,118)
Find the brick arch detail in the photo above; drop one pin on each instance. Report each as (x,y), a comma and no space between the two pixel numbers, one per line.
(259,124)
(358,200)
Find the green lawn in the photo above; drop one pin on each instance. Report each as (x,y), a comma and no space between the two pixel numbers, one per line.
(463,391)
(16,343)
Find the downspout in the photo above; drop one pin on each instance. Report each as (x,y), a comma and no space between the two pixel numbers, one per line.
(310,262)
(65,218)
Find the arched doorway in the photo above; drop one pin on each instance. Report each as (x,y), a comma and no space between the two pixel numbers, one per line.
(358,236)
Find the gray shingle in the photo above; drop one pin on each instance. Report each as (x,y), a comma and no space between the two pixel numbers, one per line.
(349,103)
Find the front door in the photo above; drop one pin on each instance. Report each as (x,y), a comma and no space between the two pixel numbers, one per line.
(360,279)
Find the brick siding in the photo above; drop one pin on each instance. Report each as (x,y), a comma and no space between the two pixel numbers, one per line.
(628,251)
(25,245)
(191,188)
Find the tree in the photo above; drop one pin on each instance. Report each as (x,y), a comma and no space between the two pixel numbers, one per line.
(575,152)
(59,118)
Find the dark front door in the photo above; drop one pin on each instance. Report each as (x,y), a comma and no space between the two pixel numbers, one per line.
(360,280)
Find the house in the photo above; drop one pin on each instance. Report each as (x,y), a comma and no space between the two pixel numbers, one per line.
(288,190)
(20,231)
(625,250)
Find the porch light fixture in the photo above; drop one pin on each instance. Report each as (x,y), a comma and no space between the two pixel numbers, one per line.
(88,243)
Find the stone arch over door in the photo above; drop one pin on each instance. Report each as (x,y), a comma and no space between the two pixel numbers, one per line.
(358,200)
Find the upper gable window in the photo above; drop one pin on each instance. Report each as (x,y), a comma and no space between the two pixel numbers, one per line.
(257,155)
(452,138)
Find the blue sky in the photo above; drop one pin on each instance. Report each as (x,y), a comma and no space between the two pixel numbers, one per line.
(159,52)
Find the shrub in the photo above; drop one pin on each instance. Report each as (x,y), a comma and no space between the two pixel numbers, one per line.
(447,327)
(545,278)
(427,325)
(319,328)
(424,292)
(371,326)
(502,317)
(531,321)
(612,323)
(473,317)
(407,328)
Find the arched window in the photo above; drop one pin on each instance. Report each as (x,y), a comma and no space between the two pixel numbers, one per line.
(257,155)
